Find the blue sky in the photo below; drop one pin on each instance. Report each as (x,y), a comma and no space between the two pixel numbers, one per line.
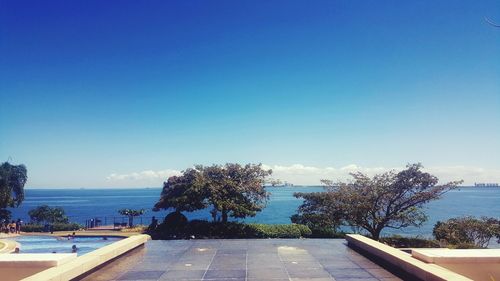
(124,93)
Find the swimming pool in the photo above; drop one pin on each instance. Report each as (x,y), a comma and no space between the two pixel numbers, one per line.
(51,244)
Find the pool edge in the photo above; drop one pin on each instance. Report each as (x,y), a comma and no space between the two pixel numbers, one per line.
(90,261)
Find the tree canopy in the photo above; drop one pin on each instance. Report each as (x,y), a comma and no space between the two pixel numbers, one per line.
(467,231)
(47,214)
(231,190)
(318,211)
(388,200)
(183,193)
(12,181)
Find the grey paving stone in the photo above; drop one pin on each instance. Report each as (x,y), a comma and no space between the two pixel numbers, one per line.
(182,275)
(302,264)
(308,273)
(267,273)
(232,252)
(366,264)
(141,275)
(380,273)
(272,279)
(357,279)
(341,265)
(314,279)
(214,274)
(231,260)
(350,273)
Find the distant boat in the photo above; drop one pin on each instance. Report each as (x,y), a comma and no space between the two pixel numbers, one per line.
(481,184)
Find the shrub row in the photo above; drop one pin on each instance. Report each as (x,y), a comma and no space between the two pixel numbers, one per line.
(409,242)
(56,227)
(205,229)
(279,230)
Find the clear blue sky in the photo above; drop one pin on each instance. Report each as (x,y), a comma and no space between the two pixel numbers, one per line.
(91,88)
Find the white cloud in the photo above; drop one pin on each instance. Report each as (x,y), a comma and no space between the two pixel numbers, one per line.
(144,178)
(299,174)
(309,175)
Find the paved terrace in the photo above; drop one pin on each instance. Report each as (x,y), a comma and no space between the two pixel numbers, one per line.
(249,260)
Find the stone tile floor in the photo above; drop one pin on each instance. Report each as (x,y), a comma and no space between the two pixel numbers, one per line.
(248,260)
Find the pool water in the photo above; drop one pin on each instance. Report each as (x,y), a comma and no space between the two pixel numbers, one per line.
(50,244)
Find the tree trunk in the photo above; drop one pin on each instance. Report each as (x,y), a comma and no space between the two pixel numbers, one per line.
(213,212)
(375,233)
(224,215)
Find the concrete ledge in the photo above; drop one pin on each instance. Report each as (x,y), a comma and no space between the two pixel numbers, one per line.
(8,246)
(477,264)
(457,255)
(403,261)
(34,260)
(89,261)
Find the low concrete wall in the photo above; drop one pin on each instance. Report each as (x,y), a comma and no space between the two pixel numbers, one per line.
(477,264)
(14,267)
(8,246)
(89,261)
(403,261)
(36,260)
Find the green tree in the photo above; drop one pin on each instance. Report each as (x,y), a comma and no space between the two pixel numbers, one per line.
(231,190)
(183,193)
(467,231)
(388,200)
(46,214)
(235,190)
(12,181)
(319,211)
(130,213)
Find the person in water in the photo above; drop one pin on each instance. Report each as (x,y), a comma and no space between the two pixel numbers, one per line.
(71,236)
(74,249)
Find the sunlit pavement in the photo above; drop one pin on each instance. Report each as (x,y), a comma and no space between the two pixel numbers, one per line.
(252,260)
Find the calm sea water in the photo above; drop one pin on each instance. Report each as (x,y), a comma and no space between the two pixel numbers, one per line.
(84,204)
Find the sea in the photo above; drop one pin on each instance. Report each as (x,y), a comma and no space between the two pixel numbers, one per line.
(81,205)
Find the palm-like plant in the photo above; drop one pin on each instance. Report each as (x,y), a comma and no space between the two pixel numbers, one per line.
(131,213)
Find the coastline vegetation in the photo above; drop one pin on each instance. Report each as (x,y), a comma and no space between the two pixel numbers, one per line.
(371,204)
(32,227)
(202,229)
(45,214)
(130,214)
(468,231)
(12,181)
(232,191)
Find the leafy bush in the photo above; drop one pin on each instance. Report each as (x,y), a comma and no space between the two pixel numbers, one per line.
(305,231)
(136,228)
(466,232)
(46,214)
(175,220)
(326,232)
(276,230)
(5,215)
(320,225)
(205,229)
(56,227)
(409,242)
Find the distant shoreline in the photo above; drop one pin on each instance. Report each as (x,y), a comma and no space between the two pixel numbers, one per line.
(130,188)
